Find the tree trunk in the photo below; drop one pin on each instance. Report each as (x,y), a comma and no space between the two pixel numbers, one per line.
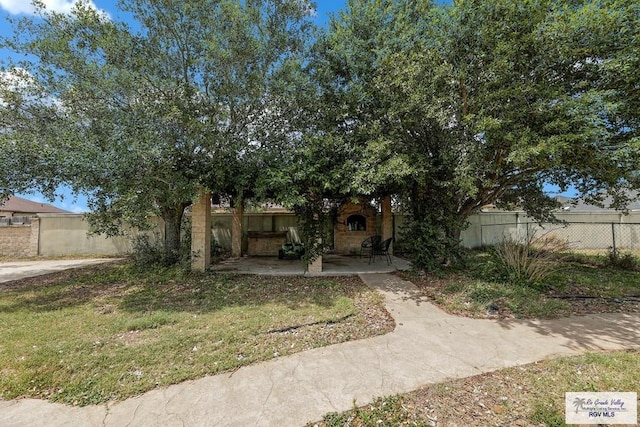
(236,227)
(172,217)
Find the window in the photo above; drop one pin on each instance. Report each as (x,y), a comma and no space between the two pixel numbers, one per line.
(356,223)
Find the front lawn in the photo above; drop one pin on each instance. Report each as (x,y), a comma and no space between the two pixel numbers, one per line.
(110,332)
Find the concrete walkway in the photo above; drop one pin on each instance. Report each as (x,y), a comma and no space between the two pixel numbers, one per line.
(14,270)
(427,346)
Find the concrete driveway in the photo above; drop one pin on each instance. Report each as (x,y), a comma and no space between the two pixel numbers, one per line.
(15,270)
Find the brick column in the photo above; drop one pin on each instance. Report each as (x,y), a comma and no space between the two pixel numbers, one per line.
(201,232)
(34,241)
(236,230)
(387,221)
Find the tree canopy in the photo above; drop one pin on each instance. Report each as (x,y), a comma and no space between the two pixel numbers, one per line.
(142,116)
(448,107)
(456,107)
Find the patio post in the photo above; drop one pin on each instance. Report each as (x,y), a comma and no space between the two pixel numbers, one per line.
(201,232)
(387,221)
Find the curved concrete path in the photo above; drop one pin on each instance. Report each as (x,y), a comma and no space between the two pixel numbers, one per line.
(427,346)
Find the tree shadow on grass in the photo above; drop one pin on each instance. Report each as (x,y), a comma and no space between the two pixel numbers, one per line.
(145,292)
(589,332)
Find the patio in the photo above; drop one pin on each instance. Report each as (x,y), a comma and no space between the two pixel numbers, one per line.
(332,265)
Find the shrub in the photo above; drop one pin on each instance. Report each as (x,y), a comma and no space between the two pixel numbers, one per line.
(148,250)
(621,260)
(429,245)
(530,259)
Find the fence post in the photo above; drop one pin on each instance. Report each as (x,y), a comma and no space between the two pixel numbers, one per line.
(613,238)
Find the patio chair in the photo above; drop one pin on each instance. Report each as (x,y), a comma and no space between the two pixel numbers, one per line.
(382,249)
(368,244)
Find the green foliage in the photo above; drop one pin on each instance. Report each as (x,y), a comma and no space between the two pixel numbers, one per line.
(449,107)
(429,244)
(483,286)
(385,411)
(312,225)
(143,117)
(547,414)
(149,252)
(459,106)
(153,321)
(622,260)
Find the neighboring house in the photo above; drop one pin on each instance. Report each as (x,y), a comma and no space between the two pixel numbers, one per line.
(572,205)
(17,207)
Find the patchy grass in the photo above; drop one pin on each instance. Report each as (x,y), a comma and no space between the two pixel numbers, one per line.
(530,395)
(577,285)
(108,332)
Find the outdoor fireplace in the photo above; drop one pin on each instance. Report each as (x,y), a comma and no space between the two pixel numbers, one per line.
(354,223)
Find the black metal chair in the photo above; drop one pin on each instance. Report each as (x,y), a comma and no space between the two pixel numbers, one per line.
(382,249)
(368,244)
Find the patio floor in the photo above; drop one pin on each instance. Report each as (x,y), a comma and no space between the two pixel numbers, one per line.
(332,265)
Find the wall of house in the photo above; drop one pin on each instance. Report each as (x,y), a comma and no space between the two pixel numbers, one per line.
(253,221)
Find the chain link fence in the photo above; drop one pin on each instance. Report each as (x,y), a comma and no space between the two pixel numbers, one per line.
(599,236)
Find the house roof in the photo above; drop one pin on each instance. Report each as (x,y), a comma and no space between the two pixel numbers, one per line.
(579,205)
(20,205)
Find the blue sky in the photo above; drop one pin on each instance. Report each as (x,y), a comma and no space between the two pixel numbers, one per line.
(14,8)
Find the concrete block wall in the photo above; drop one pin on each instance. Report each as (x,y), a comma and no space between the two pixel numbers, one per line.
(20,240)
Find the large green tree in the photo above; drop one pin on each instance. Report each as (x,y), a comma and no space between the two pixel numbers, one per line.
(459,106)
(143,115)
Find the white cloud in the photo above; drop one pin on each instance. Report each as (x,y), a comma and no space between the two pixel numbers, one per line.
(20,80)
(16,78)
(16,7)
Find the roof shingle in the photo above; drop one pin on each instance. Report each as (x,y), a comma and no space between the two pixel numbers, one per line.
(20,205)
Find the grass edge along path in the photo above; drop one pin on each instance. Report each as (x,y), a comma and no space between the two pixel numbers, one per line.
(521,396)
